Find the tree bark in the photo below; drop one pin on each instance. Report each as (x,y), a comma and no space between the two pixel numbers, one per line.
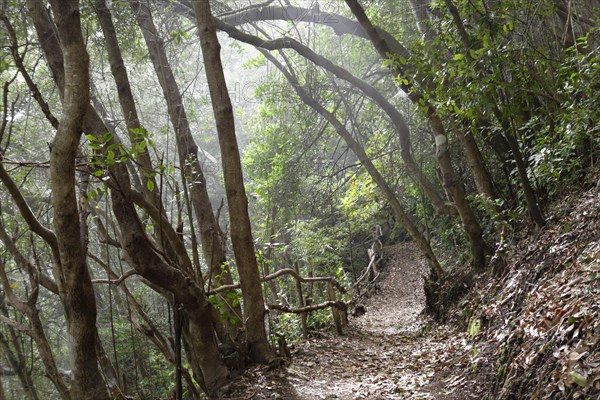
(241,235)
(140,252)
(384,187)
(212,243)
(75,286)
(469,220)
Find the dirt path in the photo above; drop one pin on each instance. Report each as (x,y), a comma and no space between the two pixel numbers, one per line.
(390,352)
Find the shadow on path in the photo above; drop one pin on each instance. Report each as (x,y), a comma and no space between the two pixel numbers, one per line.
(388,353)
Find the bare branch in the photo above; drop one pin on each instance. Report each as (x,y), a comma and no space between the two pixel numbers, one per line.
(337,304)
(119,280)
(285,271)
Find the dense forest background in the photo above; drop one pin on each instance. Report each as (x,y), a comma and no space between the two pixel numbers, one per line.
(188,186)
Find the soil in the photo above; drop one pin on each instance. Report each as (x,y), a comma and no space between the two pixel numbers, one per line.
(393,351)
(528,328)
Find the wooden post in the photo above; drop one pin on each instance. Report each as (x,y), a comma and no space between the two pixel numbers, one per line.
(303,316)
(337,317)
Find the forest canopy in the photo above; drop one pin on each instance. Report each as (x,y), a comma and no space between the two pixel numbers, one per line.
(185,185)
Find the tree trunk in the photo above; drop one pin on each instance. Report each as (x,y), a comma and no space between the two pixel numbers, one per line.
(212,243)
(450,182)
(75,286)
(2,395)
(16,361)
(483,179)
(241,235)
(126,100)
(139,251)
(533,207)
(206,360)
(481,175)
(399,213)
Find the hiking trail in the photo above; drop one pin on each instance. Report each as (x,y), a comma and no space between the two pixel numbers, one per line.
(393,351)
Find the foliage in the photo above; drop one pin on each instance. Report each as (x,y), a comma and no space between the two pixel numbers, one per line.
(567,142)
(498,71)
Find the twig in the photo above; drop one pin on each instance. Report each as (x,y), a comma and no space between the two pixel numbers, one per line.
(118,281)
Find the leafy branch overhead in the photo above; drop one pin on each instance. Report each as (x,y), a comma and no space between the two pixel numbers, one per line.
(193,191)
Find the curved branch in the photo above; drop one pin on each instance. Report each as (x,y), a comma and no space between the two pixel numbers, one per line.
(301,310)
(33,223)
(338,23)
(395,116)
(119,280)
(285,271)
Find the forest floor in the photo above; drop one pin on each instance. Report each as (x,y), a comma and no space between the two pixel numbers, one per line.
(533,320)
(391,352)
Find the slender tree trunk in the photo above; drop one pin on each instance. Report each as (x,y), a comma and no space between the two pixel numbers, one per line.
(140,252)
(481,174)
(16,361)
(2,395)
(212,244)
(399,213)
(267,256)
(469,220)
(75,286)
(241,235)
(533,207)
(126,100)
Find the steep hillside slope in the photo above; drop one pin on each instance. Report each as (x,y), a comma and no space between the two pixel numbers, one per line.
(537,327)
(528,329)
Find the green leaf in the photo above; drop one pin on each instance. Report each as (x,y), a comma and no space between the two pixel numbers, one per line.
(3,66)
(578,379)
(458,57)
(474,327)
(150,184)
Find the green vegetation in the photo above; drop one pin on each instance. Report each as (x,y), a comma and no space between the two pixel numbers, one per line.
(447,123)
